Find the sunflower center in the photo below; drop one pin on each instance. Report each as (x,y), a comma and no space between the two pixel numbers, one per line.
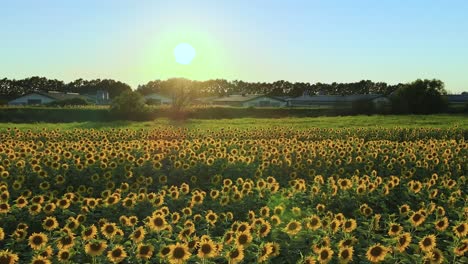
(292,226)
(242,239)
(165,251)
(144,250)
(206,248)
(234,254)
(37,240)
(345,254)
(324,254)
(376,251)
(117,253)
(402,240)
(109,229)
(158,221)
(95,247)
(427,242)
(179,253)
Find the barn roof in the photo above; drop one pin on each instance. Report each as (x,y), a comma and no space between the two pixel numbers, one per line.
(60,96)
(244,98)
(457,98)
(335,98)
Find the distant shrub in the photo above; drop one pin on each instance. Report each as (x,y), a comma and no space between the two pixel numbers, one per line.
(69,102)
(129,105)
(420,97)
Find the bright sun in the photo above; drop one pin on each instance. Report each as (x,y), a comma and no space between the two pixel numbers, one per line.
(184,53)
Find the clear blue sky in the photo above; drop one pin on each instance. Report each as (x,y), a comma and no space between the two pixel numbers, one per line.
(263,40)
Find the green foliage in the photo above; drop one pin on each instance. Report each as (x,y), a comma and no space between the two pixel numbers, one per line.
(129,105)
(420,97)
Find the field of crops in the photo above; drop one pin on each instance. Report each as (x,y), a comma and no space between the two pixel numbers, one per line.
(234,195)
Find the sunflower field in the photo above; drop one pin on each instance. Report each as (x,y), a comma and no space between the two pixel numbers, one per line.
(270,195)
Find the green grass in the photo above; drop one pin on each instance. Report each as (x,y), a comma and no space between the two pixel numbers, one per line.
(388,121)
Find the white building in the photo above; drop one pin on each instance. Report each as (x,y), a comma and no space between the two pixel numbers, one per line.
(38,98)
(251,100)
(157,99)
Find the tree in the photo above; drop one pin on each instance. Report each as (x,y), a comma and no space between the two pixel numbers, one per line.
(181,93)
(420,97)
(129,105)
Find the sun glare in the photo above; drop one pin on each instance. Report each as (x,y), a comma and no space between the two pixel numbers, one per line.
(184,53)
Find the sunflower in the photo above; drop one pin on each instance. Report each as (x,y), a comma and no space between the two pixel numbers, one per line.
(117,254)
(144,251)
(349,225)
(8,257)
(264,229)
(47,252)
(235,255)
(95,248)
(21,202)
(50,208)
(435,256)
(313,222)
(428,243)
(442,224)
(403,241)
(109,230)
(309,260)
(265,252)
(157,223)
(207,249)
(404,209)
(63,255)
(38,240)
(394,229)
(461,248)
(325,254)
(2,234)
(243,239)
(376,253)
(345,254)
(138,235)
(89,233)
(417,218)
(323,243)
(40,260)
(50,223)
(461,230)
(348,242)
(179,253)
(20,234)
(211,217)
(293,227)
(66,241)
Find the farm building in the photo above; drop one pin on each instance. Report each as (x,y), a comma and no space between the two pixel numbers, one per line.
(333,101)
(100,98)
(38,98)
(157,99)
(457,100)
(251,100)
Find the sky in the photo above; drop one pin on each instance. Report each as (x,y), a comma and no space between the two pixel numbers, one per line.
(264,40)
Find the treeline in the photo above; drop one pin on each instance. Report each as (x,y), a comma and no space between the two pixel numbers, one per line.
(11,88)
(220,87)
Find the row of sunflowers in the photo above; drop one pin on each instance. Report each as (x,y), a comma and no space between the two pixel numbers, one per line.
(172,195)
